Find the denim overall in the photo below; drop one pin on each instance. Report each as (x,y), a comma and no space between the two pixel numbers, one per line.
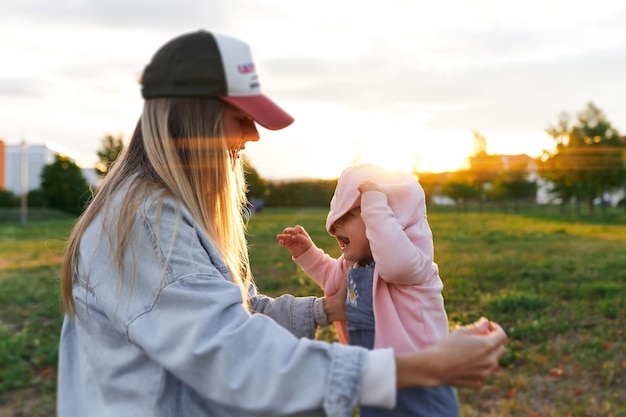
(422,402)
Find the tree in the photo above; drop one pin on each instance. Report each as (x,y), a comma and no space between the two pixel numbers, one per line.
(461,188)
(513,185)
(64,186)
(484,168)
(588,160)
(480,144)
(257,187)
(517,190)
(431,184)
(556,166)
(111,148)
(8,199)
(601,150)
(306,193)
(36,198)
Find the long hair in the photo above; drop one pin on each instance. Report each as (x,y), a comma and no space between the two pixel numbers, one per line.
(178,148)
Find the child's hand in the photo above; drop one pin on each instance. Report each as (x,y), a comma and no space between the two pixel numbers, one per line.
(482,326)
(295,239)
(368,185)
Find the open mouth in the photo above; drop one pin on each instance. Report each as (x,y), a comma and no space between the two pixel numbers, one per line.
(343,241)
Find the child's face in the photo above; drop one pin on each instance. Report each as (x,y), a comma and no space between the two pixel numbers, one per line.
(349,231)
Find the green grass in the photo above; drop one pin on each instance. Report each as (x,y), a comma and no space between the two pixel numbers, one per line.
(557,286)
(30,316)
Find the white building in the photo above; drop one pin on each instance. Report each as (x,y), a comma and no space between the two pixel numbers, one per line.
(22,165)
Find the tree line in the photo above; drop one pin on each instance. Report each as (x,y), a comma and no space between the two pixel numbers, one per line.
(587,163)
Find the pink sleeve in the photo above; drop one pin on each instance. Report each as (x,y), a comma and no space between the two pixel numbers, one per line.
(403,255)
(326,271)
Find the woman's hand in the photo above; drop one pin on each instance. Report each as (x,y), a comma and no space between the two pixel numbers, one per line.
(465,358)
(335,305)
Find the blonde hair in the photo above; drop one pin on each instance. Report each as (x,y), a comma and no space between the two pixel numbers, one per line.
(178,147)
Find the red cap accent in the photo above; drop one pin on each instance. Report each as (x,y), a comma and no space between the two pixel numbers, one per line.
(262,110)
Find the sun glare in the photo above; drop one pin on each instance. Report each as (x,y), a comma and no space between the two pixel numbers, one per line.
(446,150)
(396,141)
(437,151)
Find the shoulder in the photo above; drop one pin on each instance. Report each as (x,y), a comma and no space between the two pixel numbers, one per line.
(164,215)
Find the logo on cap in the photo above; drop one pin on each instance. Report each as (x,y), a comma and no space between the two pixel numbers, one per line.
(245,68)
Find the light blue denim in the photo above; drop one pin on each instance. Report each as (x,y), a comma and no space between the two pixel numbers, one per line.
(179,342)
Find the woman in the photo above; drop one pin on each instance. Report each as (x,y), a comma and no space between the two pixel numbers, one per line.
(161,313)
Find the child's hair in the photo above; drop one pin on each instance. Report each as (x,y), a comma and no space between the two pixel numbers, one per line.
(178,147)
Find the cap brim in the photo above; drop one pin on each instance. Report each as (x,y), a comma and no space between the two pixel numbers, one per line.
(263,110)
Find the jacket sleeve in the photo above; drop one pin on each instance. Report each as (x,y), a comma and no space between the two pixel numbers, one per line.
(197,328)
(293,313)
(404,256)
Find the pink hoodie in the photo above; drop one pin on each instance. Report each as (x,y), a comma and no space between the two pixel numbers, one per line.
(408,306)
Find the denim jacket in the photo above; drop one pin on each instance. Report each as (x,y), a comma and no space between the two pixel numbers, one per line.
(174,339)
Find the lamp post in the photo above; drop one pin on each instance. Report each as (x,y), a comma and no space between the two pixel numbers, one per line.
(24,184)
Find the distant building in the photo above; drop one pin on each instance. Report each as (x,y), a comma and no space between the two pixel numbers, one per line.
(21,165)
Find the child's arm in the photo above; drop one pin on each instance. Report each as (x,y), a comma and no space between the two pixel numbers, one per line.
(326,271)
(403,255)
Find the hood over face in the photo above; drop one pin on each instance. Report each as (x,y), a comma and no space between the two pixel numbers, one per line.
(404,193)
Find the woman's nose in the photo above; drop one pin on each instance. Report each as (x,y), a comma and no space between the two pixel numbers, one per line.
(251,134)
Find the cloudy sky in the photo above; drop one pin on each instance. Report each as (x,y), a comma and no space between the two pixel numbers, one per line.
(400,82)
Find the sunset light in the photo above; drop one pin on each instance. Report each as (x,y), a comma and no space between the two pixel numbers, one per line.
(404,85)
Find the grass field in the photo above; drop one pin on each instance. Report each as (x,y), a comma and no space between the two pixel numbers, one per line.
(557,286)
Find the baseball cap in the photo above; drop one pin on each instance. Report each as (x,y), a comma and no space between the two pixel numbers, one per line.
(205,64)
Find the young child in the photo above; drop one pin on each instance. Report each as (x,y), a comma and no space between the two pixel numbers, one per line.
(378,218)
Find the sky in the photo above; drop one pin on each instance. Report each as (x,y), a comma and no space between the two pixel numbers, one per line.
(403,83)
